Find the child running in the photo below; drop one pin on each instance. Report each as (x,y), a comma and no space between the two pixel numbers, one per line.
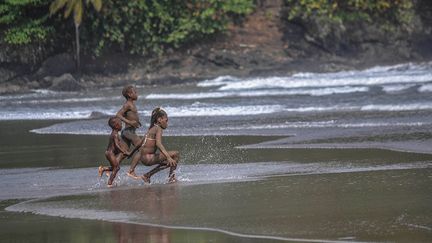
(152,141)
(129,115)
(115,151)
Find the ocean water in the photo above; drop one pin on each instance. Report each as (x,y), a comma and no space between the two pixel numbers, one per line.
(366,105)
(400,88)
(311,157)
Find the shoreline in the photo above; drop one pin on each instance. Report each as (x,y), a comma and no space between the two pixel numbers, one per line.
(186,228)
(41,209)
(184,75)
(103,208)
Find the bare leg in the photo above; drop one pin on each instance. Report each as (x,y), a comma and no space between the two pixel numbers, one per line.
(176,156)
(103,169)
(161,160)
(110,157)
(136,142)
(146,176)
(171,177)
(113,175)
(131,171)
(108,170)
(136,158)
(115,165)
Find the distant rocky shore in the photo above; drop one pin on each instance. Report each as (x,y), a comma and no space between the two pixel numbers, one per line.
(264,44)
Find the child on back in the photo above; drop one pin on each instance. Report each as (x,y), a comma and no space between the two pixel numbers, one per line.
(115,152)
(152,141)
(129,115)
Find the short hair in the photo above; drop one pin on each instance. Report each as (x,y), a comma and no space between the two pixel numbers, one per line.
(126,90)
(112,121)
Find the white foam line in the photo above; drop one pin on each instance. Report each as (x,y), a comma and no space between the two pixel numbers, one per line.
(419,226)
(425,88)
(197,110)
(324,124)
(373,107)
(258,93)
(80,132)
(357,170)
(49,115)
(396,87)
(398,74)
(400,107)
(36,94)
(69,100)
(381,146)
(202,110)
(84,214)
(266,237)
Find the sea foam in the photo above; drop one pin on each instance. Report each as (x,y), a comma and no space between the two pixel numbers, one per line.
(260,93)
(404,73)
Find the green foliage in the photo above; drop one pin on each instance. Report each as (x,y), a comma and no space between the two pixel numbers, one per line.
(75,6)
(134,26)
(148,27)
(390,12)
(27,33)
(24,21)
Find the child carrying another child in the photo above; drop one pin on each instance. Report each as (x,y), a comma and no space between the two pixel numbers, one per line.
(152,141)
(115,151)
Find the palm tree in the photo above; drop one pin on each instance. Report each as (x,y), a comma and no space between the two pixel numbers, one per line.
(77,7)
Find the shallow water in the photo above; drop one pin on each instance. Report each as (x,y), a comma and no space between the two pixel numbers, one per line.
(369,206)
(264,195)
(336,157)
(383,107)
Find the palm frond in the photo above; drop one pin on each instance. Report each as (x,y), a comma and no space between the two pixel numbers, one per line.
(57,5)
(78,12)
(70,7)
(97,4)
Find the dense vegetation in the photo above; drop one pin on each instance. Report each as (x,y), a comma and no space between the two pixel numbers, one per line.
(25,21)
(143,27)
(139,27)
(388,13)
(149,27)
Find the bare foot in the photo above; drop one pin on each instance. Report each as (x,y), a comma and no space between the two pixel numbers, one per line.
(110,186)
(100,170)
(146,179)
(133,175)
(107,173)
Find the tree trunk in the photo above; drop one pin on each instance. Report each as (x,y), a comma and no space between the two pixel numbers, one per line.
(77,54)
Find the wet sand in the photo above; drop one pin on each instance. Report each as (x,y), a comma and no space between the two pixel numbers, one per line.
(27,227)
(228,192)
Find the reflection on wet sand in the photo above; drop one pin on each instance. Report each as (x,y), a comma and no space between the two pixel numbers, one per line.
(157,203)
(138,233)
(334,195)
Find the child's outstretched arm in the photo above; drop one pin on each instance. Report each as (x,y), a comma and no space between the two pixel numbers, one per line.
(120,114)
(171,161)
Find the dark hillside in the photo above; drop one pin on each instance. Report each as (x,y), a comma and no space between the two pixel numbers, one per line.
(264,42)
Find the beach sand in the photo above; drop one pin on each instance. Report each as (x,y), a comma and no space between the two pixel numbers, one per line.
(226,192)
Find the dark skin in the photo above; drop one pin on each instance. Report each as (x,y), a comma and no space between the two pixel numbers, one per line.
(129,113)
(115,153)
(148,156)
